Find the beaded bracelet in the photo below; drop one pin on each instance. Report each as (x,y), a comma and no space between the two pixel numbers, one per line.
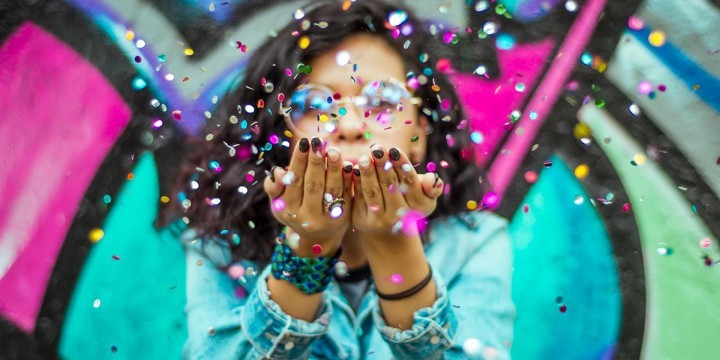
(409,292)
(311,275)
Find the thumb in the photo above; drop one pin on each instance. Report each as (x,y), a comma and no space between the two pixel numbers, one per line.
(432,185)
(273,184)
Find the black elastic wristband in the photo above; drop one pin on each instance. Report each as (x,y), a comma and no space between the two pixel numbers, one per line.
(409,292)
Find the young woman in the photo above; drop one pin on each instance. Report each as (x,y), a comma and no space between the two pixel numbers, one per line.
(358,242)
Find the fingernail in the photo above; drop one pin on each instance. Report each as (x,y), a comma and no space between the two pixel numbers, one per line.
(394,154)
(356,171)
(348,169)
(437,178)
(333,154)
(364,161)
(304,145)
(316,144)
(378,153)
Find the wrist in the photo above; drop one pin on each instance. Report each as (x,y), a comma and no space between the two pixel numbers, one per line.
(309,274)
(308,247)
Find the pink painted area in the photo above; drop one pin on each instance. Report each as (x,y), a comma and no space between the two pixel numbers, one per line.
(506,163)
(60,119)
(487,104)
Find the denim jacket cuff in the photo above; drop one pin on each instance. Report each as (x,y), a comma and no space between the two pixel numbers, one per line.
(275,333)
(432,331)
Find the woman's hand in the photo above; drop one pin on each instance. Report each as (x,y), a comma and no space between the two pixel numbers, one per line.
(387,190)
(297,198)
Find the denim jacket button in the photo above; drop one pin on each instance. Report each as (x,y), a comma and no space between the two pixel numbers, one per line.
(289,345)
(435,339)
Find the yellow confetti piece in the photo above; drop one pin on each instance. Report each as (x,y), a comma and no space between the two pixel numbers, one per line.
(323,118)
(582,171)
(189,52)
(639,159)
(656,38)
(96,235)
(288,133)
(581,131)
(346,5)
(129,35)
(304,42)
(435,88)
(164,199)
(471,205)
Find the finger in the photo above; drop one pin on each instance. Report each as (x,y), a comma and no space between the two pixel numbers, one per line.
(272,185)
(294,178)
(314,181)
(347,175)
(432,185)
(370,186)
(359,205)
(334,184)
(388,181)
(409,180)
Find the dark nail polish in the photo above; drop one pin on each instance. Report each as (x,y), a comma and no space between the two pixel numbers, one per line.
(347,169)
(316,144)
(356,172)
(437,178)
(378,153)
(270,175)
(394,154)
(304,145)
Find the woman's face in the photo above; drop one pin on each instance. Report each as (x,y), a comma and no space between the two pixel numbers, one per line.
(376,62)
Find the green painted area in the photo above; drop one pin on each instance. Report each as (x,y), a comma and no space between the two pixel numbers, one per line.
(563,256)
(130,306)
(682,319)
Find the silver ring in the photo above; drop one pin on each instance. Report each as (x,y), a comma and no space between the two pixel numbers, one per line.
(333,205)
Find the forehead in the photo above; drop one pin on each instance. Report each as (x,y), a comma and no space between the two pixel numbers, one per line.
(374,57)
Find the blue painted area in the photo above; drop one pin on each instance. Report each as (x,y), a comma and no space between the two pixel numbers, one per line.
(563,256)
(684,68)
(129,299)
(530,10)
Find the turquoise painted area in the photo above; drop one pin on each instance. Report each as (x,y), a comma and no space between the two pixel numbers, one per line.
(562,250)
(682,290)
(130,307)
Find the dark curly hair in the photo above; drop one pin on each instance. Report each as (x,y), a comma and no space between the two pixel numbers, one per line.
(228,163)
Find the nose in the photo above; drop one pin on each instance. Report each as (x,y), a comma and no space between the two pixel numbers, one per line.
(351,126)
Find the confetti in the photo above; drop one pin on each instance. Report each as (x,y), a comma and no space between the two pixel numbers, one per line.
(413,223)
(341,269)
(582,171)
(138,83)
(342,57)
(656,38)
(705,243)
(626,207)
(278,205)
(96,235)
(396,279)
(636,23)
(472,347)
(304,42)
(531,177)
(316,249)
(397,18)
(491,200)
(471,205)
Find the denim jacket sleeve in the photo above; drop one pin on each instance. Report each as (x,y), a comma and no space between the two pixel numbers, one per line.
(226,322)
(473,315)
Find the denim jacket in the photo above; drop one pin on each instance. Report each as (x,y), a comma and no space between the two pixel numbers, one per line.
(231,316)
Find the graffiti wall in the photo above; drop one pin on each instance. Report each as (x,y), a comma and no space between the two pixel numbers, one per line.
(598,122)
